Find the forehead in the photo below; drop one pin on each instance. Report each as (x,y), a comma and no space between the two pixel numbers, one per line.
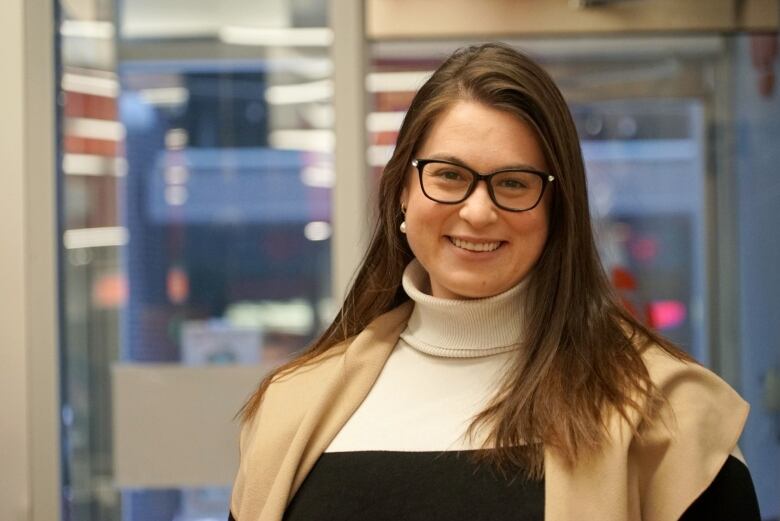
(483,137)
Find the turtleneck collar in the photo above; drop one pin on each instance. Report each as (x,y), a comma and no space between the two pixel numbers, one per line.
(461,328)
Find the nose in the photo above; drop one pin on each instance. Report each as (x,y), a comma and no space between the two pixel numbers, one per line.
(478,209)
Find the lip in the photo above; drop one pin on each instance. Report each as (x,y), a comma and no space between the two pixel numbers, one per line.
(473,255)
(477,240)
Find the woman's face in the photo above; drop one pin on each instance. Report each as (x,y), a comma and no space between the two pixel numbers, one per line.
(444,237)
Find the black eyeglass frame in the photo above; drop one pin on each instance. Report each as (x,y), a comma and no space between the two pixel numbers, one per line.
(419,164)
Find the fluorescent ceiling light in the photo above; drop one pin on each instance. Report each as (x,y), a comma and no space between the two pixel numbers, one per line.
(379,155)
(176,139)
(310,140)
(317,176)
(321,90)
(107,87)
(165,95)
(91,164)
(87,29)
(385,121)
(317,230)
(91,128)
(317,115)
(396,81)
(164,29)
(282,37)
(96,237)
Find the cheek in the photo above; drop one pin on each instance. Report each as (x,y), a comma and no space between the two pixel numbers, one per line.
(420,209)
(541,218)
(543,227)
(531,232)
(422,224)
(426,223)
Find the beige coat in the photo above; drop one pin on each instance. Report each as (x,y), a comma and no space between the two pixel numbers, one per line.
(652,480)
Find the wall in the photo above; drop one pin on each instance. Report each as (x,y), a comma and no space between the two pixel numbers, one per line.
(29,444)
(14,475)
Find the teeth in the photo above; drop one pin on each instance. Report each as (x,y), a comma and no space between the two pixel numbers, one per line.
(475,246)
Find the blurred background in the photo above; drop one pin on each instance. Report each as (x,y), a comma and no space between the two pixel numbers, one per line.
(214,166)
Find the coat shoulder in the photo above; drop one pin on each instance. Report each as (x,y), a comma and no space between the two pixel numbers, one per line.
(677,378)
(690,437)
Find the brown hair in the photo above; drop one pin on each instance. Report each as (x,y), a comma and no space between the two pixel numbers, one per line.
(582,349)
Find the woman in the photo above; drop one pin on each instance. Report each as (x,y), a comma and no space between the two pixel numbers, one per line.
(481,367)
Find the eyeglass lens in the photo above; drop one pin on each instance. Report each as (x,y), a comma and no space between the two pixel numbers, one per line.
(446,183)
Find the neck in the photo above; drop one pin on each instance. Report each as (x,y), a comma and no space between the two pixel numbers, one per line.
(461,328)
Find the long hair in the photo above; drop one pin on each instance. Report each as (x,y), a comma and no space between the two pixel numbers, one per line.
(582,350)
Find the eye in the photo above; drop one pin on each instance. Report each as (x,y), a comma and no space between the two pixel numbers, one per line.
(446,173)
(513,183)
(451,175)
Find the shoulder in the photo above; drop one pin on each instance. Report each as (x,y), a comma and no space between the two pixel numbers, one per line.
(687,386)
(681,448)
(696,404)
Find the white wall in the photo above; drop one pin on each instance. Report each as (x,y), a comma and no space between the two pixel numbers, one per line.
(14,474)
(29,445)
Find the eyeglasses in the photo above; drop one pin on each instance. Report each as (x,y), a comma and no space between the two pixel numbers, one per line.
(510,189)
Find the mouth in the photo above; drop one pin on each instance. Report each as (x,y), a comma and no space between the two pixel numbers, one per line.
(475,246)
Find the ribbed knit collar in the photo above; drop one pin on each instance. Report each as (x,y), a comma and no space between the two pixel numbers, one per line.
(461,328)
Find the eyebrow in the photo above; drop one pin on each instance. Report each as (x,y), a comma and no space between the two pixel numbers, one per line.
(456,159)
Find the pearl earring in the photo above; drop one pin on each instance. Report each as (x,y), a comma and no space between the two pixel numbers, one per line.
(403,223)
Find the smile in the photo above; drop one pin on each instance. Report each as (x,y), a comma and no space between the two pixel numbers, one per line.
(475,246)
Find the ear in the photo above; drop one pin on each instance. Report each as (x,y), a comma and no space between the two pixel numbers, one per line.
(404,197)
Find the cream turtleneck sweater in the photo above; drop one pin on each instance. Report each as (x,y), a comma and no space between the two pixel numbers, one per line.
(443,371)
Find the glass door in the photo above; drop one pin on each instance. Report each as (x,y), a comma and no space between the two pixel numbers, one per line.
(196,170)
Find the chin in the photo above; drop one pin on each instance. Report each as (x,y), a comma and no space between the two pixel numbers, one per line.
(474,290)
(467,287)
